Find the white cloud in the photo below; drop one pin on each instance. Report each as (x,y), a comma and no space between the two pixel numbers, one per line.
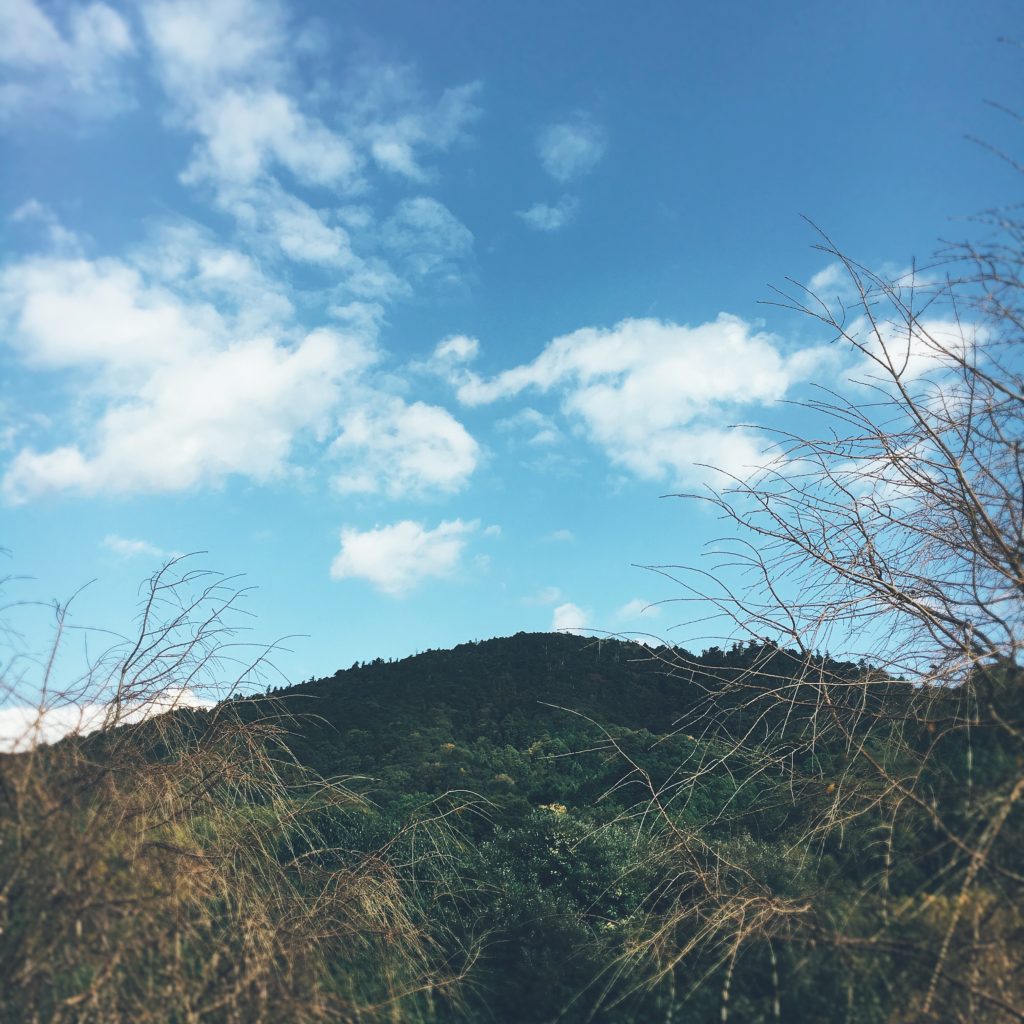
(374,280)
(231,74)
(637,608)
(247,132)
(291,158)
(171,297)
(386,110)
(404,450)
(891,346)
(830,281)
(306,238)
(79,68)
(226,66)
(227,71)
(837,281)
(25,727)
(546,595)
(125,547)
(199,46)
(427,237)
(27,35)
(457,349)
(653,394)
(543,217)
(198,421)
(569,616)
(449,358)
(927,347)
(283,224)
(187,394)
(58,237)
(397,558)
(189,262)
(561,537)
(364,318)
(572,147)
(75,312)
(541,429)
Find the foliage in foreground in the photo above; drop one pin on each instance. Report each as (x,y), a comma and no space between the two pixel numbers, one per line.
(178,869)
(631,856)
(580,868)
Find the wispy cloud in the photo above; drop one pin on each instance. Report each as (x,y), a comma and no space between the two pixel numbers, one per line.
(77,65)
(427,238)
(278,224)
(540,430)
(457,348)
(263,141)
(571,148)
(246,134)
(637,608)
(543,217)
(389,113)
(561,537)
(126,547)
(34,213)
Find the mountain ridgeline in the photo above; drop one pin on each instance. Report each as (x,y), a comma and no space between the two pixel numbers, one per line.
(525,720)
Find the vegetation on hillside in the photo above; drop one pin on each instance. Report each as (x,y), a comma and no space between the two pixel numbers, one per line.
(625,859)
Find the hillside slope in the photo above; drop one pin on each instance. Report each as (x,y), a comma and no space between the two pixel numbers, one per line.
(524,720)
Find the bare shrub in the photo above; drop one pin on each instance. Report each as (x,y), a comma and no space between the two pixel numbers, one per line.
(891,530)
(178,866)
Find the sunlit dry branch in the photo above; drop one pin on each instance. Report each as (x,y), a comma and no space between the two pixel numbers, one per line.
(172,862)
(895,535)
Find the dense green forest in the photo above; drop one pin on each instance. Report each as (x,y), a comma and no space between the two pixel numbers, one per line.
(538,828)
(574,765)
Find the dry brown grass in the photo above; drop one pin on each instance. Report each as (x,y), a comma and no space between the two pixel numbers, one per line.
(176,868)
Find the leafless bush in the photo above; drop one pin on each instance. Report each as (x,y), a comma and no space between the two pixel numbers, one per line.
(175,866)
(894,534)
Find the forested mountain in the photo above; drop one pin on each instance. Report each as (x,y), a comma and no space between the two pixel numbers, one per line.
(570,767)
(522,720)
(531,829)
(593,787)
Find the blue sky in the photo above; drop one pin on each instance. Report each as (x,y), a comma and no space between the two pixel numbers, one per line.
(410,312)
